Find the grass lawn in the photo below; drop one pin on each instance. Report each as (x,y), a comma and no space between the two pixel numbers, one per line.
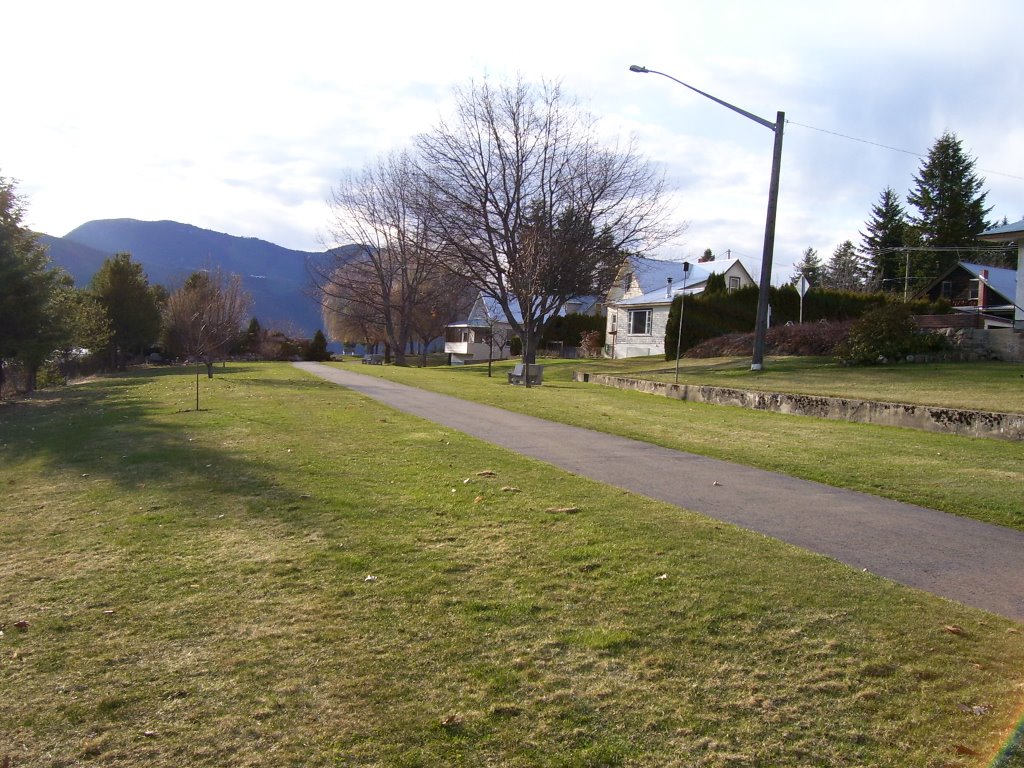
(972,477)
(297,576)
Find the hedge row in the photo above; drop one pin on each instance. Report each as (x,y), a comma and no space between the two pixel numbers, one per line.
(714,313)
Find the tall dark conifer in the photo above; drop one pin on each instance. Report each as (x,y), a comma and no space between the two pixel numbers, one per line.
(886,234)
(950,205)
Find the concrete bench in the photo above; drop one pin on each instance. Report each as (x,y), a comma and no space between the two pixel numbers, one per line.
(517,375)
(373,360)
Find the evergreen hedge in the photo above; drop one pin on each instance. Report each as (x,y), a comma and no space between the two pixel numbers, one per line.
(716,312)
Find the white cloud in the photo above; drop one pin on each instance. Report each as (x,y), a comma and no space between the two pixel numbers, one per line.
(240,116)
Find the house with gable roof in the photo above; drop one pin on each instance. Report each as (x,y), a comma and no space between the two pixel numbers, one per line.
(638,302)
(1012,233)
(486,332)
(982,293)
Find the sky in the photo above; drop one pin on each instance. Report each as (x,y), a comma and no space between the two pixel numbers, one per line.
(241,116)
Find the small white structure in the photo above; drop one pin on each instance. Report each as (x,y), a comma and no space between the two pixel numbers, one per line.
(639,300)
(1009,233)
(484,335)
(487,334)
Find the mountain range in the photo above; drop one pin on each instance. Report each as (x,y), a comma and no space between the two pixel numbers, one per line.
(276,277)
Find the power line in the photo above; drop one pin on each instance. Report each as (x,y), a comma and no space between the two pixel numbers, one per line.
(892,149)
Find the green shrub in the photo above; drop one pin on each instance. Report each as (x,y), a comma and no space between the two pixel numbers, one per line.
(709,315)
(316,350)
(887,333)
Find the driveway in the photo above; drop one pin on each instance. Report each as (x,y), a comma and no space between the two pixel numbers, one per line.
(964,560)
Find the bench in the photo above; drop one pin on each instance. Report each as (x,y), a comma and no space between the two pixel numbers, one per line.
(517,375)
(373,360)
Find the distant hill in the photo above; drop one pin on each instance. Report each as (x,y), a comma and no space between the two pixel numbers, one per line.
(170,252)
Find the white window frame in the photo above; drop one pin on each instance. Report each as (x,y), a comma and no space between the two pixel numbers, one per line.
(634,315)
(734,283)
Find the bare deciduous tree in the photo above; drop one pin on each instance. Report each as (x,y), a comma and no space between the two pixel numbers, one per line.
(527,203)
(380,210)
(205,315)
(351,311)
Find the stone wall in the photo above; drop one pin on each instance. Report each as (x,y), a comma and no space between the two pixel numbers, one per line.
(1004,426)
(1004,344)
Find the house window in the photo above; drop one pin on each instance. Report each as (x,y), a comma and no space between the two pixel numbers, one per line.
(947,289)
(972,290)
(627,280)
(734,283)
(640,322)
(614,314)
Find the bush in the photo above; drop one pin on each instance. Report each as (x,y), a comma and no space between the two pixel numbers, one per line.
(886,334)
(569,329)
(712,314)
(803,339)
(316,350)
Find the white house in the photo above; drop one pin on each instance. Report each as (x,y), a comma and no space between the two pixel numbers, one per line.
(484,334)
(487,334)
(639,300)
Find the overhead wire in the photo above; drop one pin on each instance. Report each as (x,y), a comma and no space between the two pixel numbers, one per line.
(893,149)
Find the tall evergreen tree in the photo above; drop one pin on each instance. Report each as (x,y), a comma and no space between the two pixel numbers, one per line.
(809,266)
(27,281)
(950,205)
(317,349)
(885,237)
(132,305)
(845,271)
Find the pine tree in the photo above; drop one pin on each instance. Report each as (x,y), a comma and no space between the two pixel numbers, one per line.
(885,237)
(950,205)
(845,271)
(132,305)
(317,349)
(809,266)
(27,282)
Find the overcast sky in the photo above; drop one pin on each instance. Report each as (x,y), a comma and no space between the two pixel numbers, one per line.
(239,117)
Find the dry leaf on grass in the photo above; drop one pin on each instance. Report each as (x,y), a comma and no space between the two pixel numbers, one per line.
(451,721)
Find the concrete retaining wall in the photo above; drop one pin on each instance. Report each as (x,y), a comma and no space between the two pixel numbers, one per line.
(1006,344)
(1003,426)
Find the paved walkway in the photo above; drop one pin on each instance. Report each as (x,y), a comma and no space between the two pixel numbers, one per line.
(973,563)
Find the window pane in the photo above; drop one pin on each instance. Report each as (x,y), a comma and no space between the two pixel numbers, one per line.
(640,322)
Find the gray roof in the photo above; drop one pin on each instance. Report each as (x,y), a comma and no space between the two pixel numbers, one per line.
(1004,233)
(653,274)
(1002,281)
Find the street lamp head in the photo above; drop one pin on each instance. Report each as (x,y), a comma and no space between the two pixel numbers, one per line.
(637,68)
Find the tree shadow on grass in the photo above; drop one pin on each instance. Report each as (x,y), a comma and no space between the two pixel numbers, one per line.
(109,431)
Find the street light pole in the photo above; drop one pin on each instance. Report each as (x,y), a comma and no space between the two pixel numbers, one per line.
(682,306)
(761,324)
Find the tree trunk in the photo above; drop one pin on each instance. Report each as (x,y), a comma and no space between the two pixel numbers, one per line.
(31,374)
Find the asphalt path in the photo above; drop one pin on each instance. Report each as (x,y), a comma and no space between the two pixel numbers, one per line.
(964,560)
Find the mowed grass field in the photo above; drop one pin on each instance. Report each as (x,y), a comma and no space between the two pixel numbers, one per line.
(295,575)
(978,478)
